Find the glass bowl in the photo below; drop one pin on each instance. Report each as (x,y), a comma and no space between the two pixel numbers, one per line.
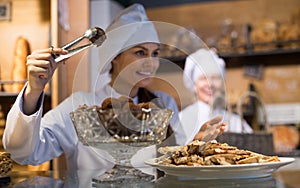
(121,132)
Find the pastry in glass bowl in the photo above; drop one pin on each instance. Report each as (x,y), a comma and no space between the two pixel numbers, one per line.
(121,120)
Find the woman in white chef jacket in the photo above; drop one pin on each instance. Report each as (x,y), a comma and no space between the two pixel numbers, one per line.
(130,56)
(204,75)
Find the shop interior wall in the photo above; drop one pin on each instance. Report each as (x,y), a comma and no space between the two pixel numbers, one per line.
(279,84)
(205,18)
(29,19)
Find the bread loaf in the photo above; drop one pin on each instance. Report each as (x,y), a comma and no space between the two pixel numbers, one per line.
(263,34)
(286,138)
(289,32)
(19,71)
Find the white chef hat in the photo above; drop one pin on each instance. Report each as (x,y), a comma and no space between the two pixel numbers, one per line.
(202,62)
(130,27)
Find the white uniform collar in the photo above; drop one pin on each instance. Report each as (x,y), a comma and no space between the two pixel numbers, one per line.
(107,91)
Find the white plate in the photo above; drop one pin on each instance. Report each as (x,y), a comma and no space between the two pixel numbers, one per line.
(253,170)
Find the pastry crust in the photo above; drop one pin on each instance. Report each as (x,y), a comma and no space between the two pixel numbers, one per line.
(198,153)
(19,70)
(286,138)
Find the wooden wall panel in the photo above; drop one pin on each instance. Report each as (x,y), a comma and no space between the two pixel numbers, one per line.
(207,18)
(30,19)
(78,12)
(279,84)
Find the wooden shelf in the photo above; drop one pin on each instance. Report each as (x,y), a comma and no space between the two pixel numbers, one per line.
(267,58)
(278,57)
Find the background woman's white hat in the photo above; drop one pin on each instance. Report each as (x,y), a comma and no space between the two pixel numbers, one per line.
(202,62)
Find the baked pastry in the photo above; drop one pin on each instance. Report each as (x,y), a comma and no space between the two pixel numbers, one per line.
(125,116)
(264,35)
(200,153)
(289,32)
(110,103)
(19,70)
(286,138)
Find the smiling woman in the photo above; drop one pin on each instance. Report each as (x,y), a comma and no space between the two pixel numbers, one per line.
(132,48)
(128,62)
(135,67)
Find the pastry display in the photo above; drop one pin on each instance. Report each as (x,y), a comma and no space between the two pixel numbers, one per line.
(199,153)
(288,35)
(264,35)
(121,120)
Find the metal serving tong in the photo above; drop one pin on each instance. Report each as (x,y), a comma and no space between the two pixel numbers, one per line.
(96,37)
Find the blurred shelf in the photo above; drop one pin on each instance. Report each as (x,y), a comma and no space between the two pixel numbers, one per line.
(3,82)
(278,57)
(267,58)
(8,94)
(7,100)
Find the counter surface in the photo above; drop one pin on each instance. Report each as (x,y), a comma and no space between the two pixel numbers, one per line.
(285,177)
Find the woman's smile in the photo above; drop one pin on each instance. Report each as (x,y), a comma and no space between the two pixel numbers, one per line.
(145,73)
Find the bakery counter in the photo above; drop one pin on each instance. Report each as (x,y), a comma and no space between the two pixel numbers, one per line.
(285,177)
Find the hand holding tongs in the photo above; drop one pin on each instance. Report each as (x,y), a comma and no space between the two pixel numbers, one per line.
(96,37)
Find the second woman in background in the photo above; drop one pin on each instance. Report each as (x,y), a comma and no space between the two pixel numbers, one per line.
(204,75)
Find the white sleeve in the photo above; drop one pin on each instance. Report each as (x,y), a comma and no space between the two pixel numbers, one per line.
(191,121)
(21,131)
(33,139)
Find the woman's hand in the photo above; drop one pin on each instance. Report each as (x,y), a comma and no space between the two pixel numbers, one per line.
(211,129)
(40,68)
